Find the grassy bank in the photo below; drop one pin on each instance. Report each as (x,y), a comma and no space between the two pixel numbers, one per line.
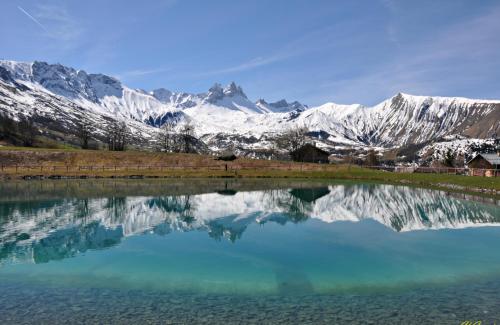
(20,162)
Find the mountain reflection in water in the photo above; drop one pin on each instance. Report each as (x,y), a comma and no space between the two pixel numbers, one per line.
(57,228)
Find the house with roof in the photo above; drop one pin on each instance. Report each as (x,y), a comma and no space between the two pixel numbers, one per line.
(310,153)
(485,164)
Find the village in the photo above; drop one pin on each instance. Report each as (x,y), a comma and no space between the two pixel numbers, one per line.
(481,164)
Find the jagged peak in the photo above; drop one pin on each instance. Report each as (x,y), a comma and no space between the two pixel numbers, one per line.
(281,106)
(216,87)
(57,66)
(280,103)
(11,63)
(214,94)
(232,90)
(261,101)
(160,93)
(18,69)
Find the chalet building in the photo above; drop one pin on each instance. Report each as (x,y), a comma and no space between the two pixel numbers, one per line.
(485,164)
(310,153)
(227,155)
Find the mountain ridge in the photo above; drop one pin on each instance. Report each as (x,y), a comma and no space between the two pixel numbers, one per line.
(403,119)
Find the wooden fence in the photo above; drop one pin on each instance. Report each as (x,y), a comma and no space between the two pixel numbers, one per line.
(235,167)
(447,170)
(112,168)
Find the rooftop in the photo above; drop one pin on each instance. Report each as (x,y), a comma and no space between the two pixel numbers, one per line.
(492,158)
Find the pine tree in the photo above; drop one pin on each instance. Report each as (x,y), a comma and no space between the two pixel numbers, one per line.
(449,159)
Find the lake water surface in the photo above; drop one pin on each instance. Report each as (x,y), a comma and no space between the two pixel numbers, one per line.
(249,251)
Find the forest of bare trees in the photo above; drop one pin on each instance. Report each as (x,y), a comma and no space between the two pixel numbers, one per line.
(27,131)
(371,158)
(22,132)
(165,140)
(8,129)
(170,139)
(117,135)
(292,139)
(187,137)
(84,133)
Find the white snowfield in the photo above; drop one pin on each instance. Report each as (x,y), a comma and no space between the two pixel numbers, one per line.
(399,120)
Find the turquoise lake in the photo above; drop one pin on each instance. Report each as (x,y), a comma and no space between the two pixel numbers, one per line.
(248,251)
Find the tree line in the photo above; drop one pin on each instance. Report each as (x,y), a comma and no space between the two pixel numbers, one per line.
(170,137)
(181,140)
(21,132)
(116,135)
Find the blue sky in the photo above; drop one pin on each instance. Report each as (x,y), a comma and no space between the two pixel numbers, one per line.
(311,51)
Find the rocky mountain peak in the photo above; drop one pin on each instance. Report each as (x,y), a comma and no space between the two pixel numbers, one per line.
(162,94)
(70,83)
(214,94)
(280,103)
(262,102)
(18,70)
(284,106)
(232,90)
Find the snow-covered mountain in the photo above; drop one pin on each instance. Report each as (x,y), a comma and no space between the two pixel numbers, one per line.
(61,228)
(225,116)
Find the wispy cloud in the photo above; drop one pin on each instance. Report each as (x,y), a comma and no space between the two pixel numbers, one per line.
(251,64)
(55,21)
(141,72)
(445,64)
(33,19)
(300,46)
(62,24)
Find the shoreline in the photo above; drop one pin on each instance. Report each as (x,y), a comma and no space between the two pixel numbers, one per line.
(18,163)
(402,179)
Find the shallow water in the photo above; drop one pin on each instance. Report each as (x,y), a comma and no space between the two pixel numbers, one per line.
(212,251)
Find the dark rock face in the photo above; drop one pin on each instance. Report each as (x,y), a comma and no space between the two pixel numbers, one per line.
(233,90)
(319,134)
(6,77)
(105,86)
(283,104)
(174,117)
(73,84)
(162,94)
(214,94)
